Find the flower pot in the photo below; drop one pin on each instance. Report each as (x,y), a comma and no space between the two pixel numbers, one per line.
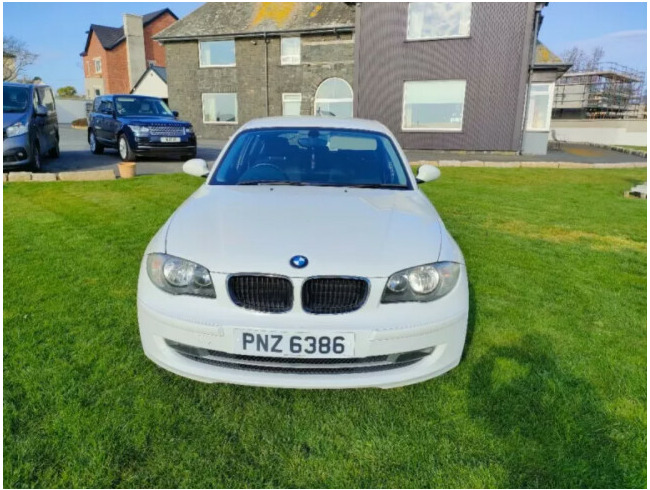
(126,170)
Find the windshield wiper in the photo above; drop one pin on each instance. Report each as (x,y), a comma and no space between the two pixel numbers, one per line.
(378,186)
(271,182)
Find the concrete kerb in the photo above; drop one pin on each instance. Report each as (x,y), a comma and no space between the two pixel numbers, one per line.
(61,176)
(563,165)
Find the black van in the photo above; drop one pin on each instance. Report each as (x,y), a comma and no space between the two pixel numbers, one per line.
(30,127)
(138,125)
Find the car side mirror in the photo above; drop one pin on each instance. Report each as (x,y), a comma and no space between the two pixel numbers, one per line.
(41,110)
(196,167)
(427,173)
(175,113)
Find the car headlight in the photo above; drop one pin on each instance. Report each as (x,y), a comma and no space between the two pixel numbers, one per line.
(16,129)
(140,130)
(189,130)
(179,276)
(422,283)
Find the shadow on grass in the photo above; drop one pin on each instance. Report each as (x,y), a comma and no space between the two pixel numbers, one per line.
(550,424)
(471,322)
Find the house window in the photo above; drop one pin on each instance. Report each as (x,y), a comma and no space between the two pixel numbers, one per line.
(217,53)
(291,104)
(333,98)
(290,51)
(98,92)
(98,65)
(438,20)
(540,100)
(220,108)
(434,105)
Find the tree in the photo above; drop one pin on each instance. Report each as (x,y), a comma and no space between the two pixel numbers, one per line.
(67,91)
(15,57)
(582,60)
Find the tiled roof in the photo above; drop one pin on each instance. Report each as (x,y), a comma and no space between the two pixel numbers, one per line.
(543,55)
(109,37)
(161,71)
(232,19)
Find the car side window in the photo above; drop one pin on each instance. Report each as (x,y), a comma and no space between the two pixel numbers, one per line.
(35,99)
(97,104)
(46,98)
(106,107)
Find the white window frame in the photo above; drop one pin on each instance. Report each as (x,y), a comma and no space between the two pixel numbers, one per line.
(226,123)
(529,113)
(433,129)
(216,66)
(458,36)
(96,61)
(351,99)
(290,59)
(298,98)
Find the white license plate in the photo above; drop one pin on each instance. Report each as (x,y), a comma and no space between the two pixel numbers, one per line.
(273,343)
(170,139)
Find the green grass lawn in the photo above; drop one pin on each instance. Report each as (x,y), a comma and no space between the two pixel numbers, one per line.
(551,391)
(642,148)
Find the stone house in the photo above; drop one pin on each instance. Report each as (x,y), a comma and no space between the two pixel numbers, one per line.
(228,63)
(115,58)
(440,75)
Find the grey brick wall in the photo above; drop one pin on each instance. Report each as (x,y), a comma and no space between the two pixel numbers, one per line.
(322,57)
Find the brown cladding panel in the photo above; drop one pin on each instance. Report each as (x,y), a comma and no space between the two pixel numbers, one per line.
(492,60)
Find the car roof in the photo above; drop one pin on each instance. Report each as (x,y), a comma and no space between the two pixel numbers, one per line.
(17,84)
(315,121)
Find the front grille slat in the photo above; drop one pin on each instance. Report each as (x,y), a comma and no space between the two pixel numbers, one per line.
(334,295)
(301,365)
(165,130)
(269,294)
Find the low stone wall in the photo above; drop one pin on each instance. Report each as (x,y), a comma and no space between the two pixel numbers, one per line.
(630,132)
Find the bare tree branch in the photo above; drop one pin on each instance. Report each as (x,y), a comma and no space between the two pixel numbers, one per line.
(15,57)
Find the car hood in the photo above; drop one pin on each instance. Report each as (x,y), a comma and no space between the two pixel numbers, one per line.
(9,118)
(365,232)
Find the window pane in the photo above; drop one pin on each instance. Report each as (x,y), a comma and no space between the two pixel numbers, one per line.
(539,106)
(333,98)
(433,20)
(220,108)
(291,104)
(290,51)
(217,53)
(434,105)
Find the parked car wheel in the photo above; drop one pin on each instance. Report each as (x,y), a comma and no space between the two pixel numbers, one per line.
(95,147)
(126,154)
(36,158)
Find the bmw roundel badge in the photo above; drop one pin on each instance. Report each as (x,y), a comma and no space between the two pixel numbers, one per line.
(298,261)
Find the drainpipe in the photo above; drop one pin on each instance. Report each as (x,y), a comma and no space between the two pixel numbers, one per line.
(266,71)
(538,13)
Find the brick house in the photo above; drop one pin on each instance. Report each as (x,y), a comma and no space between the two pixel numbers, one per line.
(228,63)
(115,58)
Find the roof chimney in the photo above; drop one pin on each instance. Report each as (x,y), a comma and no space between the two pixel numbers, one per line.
(135,55)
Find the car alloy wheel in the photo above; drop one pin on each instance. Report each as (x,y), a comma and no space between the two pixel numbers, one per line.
(93,142)
(123,149)
(36,164)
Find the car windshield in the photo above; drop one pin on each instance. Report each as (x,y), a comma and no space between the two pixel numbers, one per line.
(312,156)
(141,106)
(15,99)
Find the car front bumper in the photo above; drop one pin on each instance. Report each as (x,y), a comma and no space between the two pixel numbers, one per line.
(16,152)
(172,325)
(153,147)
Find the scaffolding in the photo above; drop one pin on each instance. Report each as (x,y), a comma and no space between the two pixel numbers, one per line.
(604,91)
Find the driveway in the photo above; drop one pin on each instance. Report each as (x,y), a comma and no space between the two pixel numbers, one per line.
(76,155)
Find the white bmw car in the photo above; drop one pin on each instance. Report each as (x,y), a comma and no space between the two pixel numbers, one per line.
(309,258)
